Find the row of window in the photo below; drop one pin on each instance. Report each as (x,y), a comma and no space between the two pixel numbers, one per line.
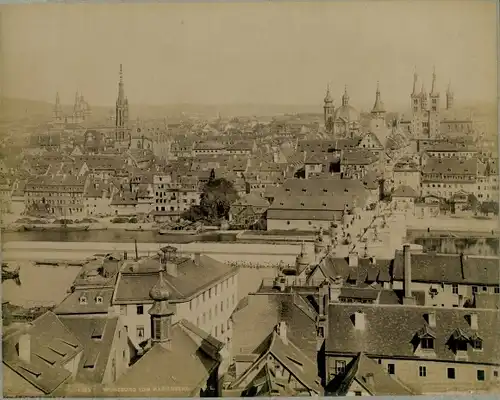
(340,366)
(212,292)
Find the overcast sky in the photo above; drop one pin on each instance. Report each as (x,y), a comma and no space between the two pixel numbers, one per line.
(248,53)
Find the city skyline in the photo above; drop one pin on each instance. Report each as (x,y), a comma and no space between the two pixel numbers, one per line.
(274,53)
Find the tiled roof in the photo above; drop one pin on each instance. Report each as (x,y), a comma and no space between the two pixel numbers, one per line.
(450,166)
(52,346)
(323,187)
(448,268)
(98,300)
(251,199)
(366,271)
(191,278)
(390,331)
(255,320)
(358,157)
(309,207)
(179,370)
(404,191)
(96,335)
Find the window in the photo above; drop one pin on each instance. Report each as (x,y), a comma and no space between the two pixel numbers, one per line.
(497,289)
(140,309)
(454,288)
(477,344)
(215,288)
(422,371)
(495,374)
(98,300)
(140,332)
(474,289)
(451,373)
(339,367)
(391,369)
(358,394)
(233,299)
(210,293)
(126,328)
(485,289)
(204,318)
(124,354)
(210,315)
(222,306)
(216,307)
(427,343)
(480,375)
(203,296)
(228,324)
(215,331)
(197,321)
(157,328)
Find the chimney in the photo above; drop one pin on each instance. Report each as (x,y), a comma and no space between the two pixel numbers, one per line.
(197,258)
(359,320)
(335,288)
(170,267)
(281,330)
(408,299)
(431,319)
(24,347)
(353,259)
(473,321)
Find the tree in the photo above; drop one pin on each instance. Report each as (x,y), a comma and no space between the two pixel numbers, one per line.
(488,207)
(216,199)
(472,202)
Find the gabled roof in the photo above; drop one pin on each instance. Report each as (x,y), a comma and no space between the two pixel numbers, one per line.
(96,335)
(290,357)
(179,370)
(134,286)
(405,191)
(52,346)
(389,331)
(369,375)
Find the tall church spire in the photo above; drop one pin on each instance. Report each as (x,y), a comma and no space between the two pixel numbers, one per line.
(434,89)
(378,107)
(415,80)
(121,90)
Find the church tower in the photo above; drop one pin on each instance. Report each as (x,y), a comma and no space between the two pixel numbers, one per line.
(378,110)
(345,97)
(434,117)
(424,97)
(121,119)
(450,97)
(57,112)
(161,313)
(329,109)
(415,98)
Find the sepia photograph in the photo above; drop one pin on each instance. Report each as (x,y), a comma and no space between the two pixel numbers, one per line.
(249,199)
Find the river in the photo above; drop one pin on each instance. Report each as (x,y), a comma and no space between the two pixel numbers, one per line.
(111,235)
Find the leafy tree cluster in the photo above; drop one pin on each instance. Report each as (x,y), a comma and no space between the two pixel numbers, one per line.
(216,199)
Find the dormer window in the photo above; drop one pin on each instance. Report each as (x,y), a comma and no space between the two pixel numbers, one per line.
(476,342)
(460,340)
(83,300)
(98,300)
(427,343)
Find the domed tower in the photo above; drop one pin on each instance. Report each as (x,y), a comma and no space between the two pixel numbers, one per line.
(329,109)
(345,98)
(161,313)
